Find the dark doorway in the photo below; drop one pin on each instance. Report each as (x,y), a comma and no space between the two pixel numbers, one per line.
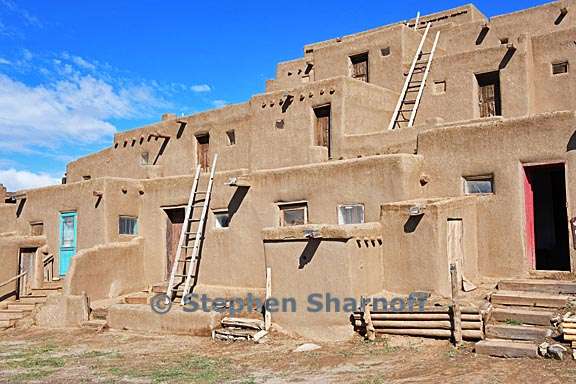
(203,142)
(322,129)
(546,217)
(174,222)
(27,257)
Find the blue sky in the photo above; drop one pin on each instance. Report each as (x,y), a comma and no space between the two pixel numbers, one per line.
(74,72)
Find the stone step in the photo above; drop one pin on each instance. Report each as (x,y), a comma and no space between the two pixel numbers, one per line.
(22,307)
(99,313)
(545,286)
(136,300)
(6,323)
(53,284)
(32,299)
(94,324)
(522,315)
(517,332)
(8,314)
(46,291)
(529,299)
(506,348)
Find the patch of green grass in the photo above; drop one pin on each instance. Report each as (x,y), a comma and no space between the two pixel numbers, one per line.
(96,354)
(513,322)
(35,375)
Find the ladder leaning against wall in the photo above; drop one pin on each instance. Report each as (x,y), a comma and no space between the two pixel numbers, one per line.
(409,100)
(185,267)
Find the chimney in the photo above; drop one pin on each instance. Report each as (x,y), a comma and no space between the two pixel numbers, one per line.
(168,116)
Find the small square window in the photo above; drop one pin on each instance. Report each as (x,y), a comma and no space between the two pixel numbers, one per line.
(558,68)
(350,214)
(439,87)
(479,184)
(230,137)
(128,225)
(37,229)
(385,51)
(504,40)
(293,214)
(279,124)
(221,219)
(144,158)
(86,177)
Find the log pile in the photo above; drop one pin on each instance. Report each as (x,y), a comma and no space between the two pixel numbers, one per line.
(437,322)
(236,328)
(568,328)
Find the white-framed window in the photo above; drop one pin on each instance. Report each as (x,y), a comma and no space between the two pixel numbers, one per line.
(221,218)
(128,225)
(294,213)
(351,213)
(483,184)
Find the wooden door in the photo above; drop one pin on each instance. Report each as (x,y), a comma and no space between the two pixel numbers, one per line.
(529,220)
(487,100)
(67,240)
(174,223)
(203,142)
(360,67)
(26,264)
(323,127)
(456,246)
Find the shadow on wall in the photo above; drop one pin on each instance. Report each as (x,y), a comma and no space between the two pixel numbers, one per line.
(308,252)
(571,143)
(236,201)
(412,223)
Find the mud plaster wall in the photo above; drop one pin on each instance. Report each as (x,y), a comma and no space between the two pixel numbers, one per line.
(107,271)
(415,250)
(498,148)
(9,258)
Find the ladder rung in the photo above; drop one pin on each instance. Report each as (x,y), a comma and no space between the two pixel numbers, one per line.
(187,246)
(203,192)
(425,53)
(402,121)
(410,102)
(178,275)
(406,110)
(189,233)
(194,220)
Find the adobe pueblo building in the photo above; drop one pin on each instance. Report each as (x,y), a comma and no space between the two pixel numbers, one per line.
(374,163)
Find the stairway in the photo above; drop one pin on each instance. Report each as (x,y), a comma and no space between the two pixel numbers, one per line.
(521,316)
(12,312)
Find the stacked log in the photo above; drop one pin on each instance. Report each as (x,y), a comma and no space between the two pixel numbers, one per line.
(568,328)
(434,322)
(235,328)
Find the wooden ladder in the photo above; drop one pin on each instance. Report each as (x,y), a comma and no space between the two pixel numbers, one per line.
(407,105)
(184,269)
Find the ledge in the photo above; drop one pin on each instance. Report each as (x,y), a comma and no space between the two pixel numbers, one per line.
(322,231)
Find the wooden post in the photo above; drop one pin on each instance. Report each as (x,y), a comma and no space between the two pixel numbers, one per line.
(456,313)
(370,330)
(267,314)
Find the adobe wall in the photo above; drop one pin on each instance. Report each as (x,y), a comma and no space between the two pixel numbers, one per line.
(499,148)
(10,245)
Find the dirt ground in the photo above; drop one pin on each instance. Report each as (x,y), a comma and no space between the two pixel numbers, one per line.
(86,356)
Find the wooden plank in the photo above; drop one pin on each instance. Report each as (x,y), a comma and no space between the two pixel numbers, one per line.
(407,316)
(529,299)
(242,323)
(370,331)
(267,314)
(525,316)
(412,324)
(443,333)
(548,286)
(505,348)
(517,332)
(456,314)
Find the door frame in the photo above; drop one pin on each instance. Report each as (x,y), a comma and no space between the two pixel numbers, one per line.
(530,253)
(64,267)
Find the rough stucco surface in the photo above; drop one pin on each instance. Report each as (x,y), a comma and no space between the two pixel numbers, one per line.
(278,159)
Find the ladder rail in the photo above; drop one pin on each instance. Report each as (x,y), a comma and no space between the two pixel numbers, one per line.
(423,84)
(183,234)
(200,230)
(408,79)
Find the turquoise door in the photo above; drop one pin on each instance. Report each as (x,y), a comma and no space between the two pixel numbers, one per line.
(67,240)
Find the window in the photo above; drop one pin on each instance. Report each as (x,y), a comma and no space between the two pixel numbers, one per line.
(479,184)
(359,67)
(222,218)
(279,124)
(385,51)
(504,40)
(489,94)
(37,229)
(558,68)
(351,214)
(439,87)
(231,137)
(322,127)
(86,177)
(128,225)
(293,214)
(203,142)
(144,158)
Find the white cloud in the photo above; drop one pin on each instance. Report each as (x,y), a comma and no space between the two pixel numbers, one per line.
(219,103)
(69,111)
(200,88)
(16,180)
(4,61)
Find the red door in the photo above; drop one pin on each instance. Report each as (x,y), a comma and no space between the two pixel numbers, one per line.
(529,209)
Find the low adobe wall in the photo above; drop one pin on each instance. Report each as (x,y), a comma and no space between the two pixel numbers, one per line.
(107,271)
